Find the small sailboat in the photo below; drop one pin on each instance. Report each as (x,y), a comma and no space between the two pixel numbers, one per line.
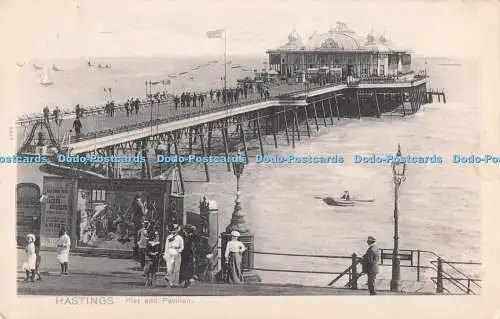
(36,67)
(55,68)
(45,81)
(20,64)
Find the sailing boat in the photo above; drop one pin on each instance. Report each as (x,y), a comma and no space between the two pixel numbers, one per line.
(37,67)
(20,64)
(45,81)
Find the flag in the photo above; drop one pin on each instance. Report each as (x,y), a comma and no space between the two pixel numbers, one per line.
(155,82)
(215,34)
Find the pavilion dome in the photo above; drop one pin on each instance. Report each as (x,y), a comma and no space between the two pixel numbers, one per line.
(338,38)
(294,42)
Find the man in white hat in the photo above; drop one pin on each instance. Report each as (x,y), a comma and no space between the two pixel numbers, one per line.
(370,264)
(233,254)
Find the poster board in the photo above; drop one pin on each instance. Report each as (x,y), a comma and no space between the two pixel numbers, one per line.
(110,212)
(27,211)
(56,208)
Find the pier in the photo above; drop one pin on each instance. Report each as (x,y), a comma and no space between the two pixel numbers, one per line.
(221,129)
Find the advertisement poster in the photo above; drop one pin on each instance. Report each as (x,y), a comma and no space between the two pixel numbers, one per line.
(111,212)
(56,209)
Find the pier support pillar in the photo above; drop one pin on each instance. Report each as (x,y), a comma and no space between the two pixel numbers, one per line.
(359,107)
(307,122)
(275,128)
(286,126)
(260,134)
(316,116)
(337,106)
(331,111)
(323,109)
(243,140)
(296,121)
(202,142)
(378,106)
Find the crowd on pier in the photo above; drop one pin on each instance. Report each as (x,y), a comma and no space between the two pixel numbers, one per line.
(184,100)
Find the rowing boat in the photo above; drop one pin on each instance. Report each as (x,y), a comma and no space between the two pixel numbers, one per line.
(337,202)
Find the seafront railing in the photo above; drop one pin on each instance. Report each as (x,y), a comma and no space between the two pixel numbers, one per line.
(448,277)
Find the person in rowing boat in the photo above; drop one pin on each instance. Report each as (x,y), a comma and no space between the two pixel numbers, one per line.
(345,196)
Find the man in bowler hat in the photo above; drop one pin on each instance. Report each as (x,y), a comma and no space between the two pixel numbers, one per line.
(370,264)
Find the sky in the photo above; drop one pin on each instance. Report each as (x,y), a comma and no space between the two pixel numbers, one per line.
(77,28)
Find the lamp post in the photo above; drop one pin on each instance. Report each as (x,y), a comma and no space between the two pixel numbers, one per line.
(238,224)
(398,172)
(237,219)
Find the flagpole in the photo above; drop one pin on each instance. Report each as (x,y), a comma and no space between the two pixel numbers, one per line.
(225,64)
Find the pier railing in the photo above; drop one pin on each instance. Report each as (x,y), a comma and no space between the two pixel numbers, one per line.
(446,275)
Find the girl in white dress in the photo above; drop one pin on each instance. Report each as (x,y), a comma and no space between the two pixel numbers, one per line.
(63,247)
(30,264)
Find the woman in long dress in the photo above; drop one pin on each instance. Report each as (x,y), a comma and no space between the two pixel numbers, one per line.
(174,245)
(30,264)
(233,254)
(63,247)
(187,257)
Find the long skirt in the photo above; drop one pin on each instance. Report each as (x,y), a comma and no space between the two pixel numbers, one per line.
(63,255)
(235,275)
(187,267)
(173,268)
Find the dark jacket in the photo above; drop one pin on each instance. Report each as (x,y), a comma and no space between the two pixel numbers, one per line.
(370,260)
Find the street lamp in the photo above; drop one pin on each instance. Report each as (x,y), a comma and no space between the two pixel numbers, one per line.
(398,172)
(237,219)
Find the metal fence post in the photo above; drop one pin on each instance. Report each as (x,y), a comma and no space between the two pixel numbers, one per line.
(439,280)
(354,263)
(418,265)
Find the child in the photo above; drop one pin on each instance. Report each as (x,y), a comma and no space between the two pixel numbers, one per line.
(30,264)
(152,260)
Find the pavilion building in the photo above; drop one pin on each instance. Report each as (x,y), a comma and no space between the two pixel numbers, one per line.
(340,49)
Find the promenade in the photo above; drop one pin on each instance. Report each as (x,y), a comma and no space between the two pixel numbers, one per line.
(120,277)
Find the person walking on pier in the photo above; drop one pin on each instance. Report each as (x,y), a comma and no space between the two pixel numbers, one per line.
(195,98)
(201,99)
(127,108)
(218,96)
(233,254)
(176,102)
(46,113)
(77,126)
(211,95)
(63,247)
(174,246)
(136,102)
(370,264)
(55,114)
